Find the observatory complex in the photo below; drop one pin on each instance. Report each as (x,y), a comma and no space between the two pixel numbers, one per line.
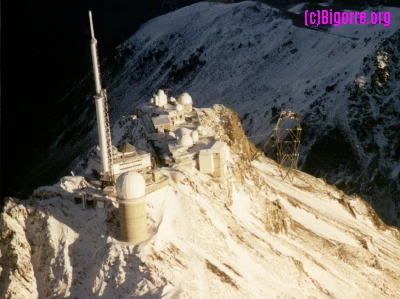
(174,133)
(174,137)
(173,128)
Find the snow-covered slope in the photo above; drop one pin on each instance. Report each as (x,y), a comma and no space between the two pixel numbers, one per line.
(250,235)
(251,57)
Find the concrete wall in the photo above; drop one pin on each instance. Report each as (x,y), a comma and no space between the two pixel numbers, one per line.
(213,161)
(206,162)
(219,163)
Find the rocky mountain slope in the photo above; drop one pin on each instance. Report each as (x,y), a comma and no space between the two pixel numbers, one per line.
(250,235)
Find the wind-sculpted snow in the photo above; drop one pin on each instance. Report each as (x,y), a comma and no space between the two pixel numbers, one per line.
(248,235)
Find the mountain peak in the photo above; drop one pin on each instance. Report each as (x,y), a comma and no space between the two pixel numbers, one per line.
(250,234)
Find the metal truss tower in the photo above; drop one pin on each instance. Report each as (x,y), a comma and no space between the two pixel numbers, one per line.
(287,142)
(283,143)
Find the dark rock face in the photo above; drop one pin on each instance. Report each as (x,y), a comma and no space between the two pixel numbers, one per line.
(332,156)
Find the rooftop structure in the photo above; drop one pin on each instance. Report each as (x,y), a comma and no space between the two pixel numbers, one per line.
(127,148)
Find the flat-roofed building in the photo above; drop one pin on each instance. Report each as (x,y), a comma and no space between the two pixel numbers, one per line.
(161,123)
(214,160)
(126,158)
(206,161)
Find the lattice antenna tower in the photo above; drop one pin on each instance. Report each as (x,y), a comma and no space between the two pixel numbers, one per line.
(287,134)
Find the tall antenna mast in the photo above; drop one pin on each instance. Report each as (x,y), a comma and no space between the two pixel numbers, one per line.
(91,24)
(103,125)
(95,60)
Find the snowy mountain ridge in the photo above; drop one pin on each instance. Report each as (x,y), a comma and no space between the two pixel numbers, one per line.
(250,235)
(250,57)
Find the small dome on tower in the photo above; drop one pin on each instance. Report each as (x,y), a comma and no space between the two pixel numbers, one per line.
(162,98)
(185,140)
(131,185)
(185,99)
(161,93)
(179,107)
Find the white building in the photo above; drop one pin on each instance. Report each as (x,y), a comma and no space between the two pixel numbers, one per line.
(130,158)
(214,160)
(127,158)
(160,99)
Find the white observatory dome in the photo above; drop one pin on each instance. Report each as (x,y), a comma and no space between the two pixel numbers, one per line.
(172,100)
(185,99)
(131,185)
(185,140)
(182,131)
(179,107)
(195,136)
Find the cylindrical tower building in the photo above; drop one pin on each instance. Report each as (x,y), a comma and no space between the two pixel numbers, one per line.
(131,191)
